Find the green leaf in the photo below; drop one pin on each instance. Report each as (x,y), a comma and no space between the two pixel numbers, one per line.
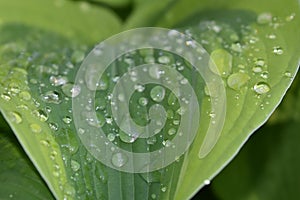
(266,168)
(79,21)
(18,177)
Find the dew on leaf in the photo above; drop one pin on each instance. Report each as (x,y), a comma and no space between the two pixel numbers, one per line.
(51,97)
(35,128)
(53,126)
(221,62)
(71,90)
(171,131)
(278,50)
(257,69)
(24,95)
(157,93)
(164,59)
(15,117)
(77,56)
(237,80)
(264,18)
(143,101)
(58,80)
(111,137)
(67,119)
(126,137)
(151,140)
(5,96)
(41,115)
(261,88)
(119,159)
(75,166)
(45,143)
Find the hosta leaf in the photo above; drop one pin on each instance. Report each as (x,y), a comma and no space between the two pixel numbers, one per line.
(76,20)
(267,168)
(19,179)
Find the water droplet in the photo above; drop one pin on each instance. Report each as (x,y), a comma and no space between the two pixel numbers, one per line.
(290,17)
(264,75)
(139,87)
(261,88)
(164,59)
(237,47)
(5,96)
(14,88)
(119,159)
(206,182)
(35,128)
(15,117)
(143,101)
(157,93)
(221,62)
(264,18)
(75,166)
(77,56)
(153,196)
(151,140)
(25,95)
(126,137)
(46,143)
(237,80)
(121,97)
(100,103)
(58,80)
(71,90)
(277,50)
(170,114)
(69,190)
(288,74)
(111,137)
(257,69)
(51,97)
(53,126)
(171,131)
(167,143)
(154,72)
(67,119)
(41,115)
(164,189)
(176,122)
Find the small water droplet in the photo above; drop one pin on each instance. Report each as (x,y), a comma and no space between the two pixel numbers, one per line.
(119,159)
(71,90)
(290,17)
(41,115)
(77,56)
(143,101)
(67,119)
(151,140)
(111,137)
(126,137)
(164,59)
(171,131)
(5,96)
(14,88)
(157,93)
(164,189)
(176,122)
(58,80)
(257,69)
(35,128)
(25,95)
(288,74)
(167,143)
(51,97)
(170,114)
(139,87)
(154,72)
(237,80)
(261,88)
(69,190)
(277,50)
(53,126)
(237,47)
(15,117)
(46,143)
(75,166)
(153,196)
(206,182)
(264,18)
(264,75)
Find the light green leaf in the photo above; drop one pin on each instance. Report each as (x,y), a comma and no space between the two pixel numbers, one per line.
(76,20)
(18,177)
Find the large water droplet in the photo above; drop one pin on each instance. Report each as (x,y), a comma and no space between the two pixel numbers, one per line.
(261,88)
(119,159)
(71,90)
(24,95)
(15,117)
(237,80)
(221,62)
(5,96)
(157,93)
